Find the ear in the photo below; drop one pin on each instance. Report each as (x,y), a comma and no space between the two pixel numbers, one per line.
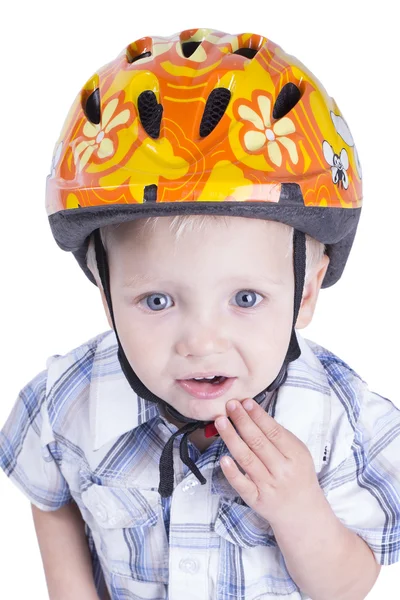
(310,295)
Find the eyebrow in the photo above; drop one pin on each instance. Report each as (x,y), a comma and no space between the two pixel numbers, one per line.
(248,279)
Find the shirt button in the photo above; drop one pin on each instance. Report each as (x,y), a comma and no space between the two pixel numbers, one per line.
(189,486)
(188,565)
(101,512)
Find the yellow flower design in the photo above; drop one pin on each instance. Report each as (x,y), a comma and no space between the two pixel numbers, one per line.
(98,141)
(254,140)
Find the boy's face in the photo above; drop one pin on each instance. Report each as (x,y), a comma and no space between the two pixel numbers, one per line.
(181,307)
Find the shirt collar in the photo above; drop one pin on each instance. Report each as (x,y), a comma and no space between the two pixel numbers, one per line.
(114,407)
(302,405)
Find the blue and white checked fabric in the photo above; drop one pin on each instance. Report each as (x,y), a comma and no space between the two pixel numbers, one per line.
(78,431)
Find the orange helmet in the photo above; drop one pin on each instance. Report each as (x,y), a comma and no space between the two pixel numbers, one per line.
(205,122)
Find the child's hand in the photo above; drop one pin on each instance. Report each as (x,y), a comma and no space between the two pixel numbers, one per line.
(280,474)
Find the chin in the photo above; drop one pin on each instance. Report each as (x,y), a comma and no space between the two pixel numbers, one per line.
(209,410)
(202,410)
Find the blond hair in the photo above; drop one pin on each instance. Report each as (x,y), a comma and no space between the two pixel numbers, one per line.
(187,223)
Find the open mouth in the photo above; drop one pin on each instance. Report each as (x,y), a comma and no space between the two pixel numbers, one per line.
(207,388)
(215,380)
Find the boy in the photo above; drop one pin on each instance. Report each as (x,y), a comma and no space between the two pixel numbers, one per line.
(260,174)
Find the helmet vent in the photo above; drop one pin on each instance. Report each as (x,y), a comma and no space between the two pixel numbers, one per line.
(92,107)
(288,97)
(214,110)
(140,49)
(135,58)
(150,193)
(150,113)
(247,52)
(188,48)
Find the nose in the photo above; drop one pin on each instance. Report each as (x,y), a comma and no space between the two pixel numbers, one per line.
(203,339)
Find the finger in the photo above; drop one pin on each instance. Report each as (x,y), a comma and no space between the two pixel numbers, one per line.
(241,452)
(256,440)
(281,438)
(246,488)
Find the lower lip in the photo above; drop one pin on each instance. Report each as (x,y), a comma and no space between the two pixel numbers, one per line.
(206,391)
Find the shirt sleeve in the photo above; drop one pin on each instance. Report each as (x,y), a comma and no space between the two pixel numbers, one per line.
(365,490)
(29,455)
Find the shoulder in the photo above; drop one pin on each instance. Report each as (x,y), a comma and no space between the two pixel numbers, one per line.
(68,373)
(369,413)
(61,374)
(84,353)
(69,380)
(335,367)
(344,383)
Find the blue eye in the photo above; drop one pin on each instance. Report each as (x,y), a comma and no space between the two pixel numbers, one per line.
(247,298)
(156,302)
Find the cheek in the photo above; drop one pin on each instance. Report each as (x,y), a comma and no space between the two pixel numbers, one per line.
(139,340)
(269,341)
(280,329)
(147,356)
(276,322)
(269,347)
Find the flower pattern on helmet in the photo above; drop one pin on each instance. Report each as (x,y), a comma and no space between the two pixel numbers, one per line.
(267,133)
(98,140)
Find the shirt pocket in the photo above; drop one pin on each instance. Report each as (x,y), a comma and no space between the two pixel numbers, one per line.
(128,530)
(248,540)
(124,588)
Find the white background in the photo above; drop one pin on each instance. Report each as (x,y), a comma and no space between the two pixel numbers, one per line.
(48,50)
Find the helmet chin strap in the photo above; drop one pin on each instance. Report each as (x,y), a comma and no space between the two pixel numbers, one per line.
(166,460)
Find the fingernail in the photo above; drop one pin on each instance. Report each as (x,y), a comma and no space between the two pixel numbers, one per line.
(231,405)
(248,404)
(221,423)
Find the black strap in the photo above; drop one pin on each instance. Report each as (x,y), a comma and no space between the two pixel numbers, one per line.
(166,465)
(299,269)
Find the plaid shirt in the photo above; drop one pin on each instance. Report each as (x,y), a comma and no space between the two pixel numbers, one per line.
(78,431)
